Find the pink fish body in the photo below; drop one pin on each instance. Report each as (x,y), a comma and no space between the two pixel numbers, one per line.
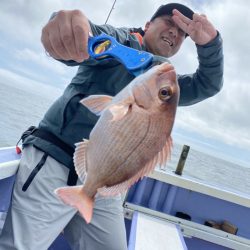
(130,138)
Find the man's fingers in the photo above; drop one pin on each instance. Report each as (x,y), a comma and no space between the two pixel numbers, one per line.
(47,45)
(183,18)
(198,26)
(199,18)
(81,41)
(68,41)
(66,35)
(182,21)
(57,44)
(182,25)
(80,27)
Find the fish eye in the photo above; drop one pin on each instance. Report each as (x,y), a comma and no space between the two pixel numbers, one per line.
(165,93)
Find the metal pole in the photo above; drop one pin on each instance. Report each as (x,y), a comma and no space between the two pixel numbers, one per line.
(182,160)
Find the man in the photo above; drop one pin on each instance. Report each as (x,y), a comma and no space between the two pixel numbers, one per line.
(36,215)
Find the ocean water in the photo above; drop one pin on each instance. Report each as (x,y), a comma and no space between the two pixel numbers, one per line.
(23,105)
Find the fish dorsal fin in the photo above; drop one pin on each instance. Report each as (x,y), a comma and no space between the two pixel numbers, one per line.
(80,159)
(97,103)
(160,158)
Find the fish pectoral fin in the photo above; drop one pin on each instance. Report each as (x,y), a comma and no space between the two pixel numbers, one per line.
(80,159)
(76,197)
(96,103)
(119,110)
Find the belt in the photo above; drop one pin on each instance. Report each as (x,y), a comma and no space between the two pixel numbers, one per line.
(48,136)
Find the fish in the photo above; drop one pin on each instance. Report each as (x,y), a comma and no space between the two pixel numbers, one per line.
(131,137)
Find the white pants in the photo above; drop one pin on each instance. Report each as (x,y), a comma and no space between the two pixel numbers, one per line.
(37,216)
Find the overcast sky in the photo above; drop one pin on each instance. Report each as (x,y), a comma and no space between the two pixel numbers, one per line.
(219,125)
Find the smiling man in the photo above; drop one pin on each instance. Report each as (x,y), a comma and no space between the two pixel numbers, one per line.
(162,35)
(169,27)
(47,163)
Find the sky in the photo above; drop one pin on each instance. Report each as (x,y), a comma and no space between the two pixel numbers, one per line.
(218,126)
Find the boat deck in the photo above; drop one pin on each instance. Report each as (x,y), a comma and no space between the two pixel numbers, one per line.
(165,195)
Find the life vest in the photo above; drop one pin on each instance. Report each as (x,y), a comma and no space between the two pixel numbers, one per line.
(138,36)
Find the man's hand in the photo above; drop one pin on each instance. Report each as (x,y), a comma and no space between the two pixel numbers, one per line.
(65,36)
(200,30)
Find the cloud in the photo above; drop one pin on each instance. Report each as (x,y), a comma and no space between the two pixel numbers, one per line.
(23,20)
(41,59)
(224,116)
(36,87)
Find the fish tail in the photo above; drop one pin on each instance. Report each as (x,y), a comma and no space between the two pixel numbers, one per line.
(77,197)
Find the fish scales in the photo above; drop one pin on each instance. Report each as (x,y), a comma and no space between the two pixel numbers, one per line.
(118,141)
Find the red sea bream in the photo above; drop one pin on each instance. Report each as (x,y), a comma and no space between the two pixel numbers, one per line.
(130,138)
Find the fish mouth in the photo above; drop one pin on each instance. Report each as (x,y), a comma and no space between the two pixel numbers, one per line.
(167,40)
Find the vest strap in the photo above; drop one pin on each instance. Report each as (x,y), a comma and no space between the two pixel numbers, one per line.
(138,36)
(34,172)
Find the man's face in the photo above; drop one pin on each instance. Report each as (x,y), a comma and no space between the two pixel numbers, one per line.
(163,37)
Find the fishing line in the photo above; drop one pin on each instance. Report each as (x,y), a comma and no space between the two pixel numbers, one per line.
(110,11)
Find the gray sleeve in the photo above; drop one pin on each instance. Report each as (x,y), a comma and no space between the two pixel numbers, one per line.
(120,34)
(208,78)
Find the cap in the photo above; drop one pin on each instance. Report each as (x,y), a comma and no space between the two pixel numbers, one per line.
(168,8)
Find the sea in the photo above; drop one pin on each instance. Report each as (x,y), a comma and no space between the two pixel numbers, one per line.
(24,104)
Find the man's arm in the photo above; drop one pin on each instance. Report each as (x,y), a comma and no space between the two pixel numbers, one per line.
(208,79)
(65,36)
